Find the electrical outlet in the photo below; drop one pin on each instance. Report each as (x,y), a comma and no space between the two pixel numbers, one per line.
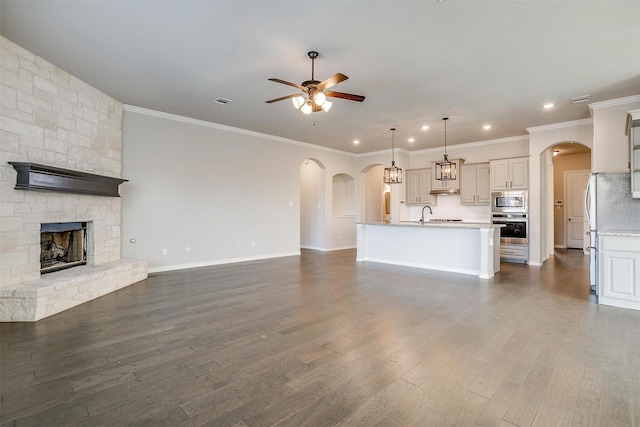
(164,251)
(253,244)
(340,237)
(188,250)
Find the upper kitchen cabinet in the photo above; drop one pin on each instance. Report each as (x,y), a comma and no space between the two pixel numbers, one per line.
(510,174)
(418,187)
(451,186)
(633,130)
(475,184)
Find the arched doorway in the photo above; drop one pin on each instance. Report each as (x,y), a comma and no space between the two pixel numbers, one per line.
(571,170)
(376,199)
(312,204)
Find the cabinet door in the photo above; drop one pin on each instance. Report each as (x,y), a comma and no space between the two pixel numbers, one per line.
(499,175)
(424,179)
(468,185)
(619,269)
(413,186)
(483,184)
(519,174)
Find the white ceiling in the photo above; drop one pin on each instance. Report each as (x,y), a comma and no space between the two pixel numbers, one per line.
(477,62)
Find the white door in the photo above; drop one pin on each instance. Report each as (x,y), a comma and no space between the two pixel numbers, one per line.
(575,186)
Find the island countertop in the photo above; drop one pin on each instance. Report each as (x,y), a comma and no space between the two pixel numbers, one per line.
(436,224)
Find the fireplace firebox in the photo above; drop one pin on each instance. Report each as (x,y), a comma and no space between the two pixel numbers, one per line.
(62,245)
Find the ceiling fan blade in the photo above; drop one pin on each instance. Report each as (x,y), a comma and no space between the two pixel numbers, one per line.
(282,98)
(332,81)
(349,96)
(288,83)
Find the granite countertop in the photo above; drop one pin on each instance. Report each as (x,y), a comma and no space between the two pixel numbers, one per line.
(622,233)
(437,224)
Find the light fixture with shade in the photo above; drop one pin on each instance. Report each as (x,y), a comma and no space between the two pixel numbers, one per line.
(445,170)
(393,175)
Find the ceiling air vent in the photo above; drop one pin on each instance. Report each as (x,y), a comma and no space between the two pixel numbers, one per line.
(222,101)
(580,99)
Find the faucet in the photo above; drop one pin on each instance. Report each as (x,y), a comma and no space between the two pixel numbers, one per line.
(430,211)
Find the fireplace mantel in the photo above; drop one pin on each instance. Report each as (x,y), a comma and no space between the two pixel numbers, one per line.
(32,176)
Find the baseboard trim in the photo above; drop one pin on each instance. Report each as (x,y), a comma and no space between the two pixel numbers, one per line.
(220,262)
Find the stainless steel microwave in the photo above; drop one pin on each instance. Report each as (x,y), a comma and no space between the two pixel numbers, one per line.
(509,201)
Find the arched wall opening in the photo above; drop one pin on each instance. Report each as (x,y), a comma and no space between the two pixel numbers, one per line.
(312,204)
(571,170)
(375,199)
(541,215)
(343,194)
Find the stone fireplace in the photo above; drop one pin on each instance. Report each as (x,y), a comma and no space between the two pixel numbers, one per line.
(65,129)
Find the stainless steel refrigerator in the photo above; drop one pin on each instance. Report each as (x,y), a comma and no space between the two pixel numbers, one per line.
(609,207)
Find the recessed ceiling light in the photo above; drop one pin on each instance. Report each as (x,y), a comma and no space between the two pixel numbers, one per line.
(356,142)
(425,127)
(411,139)
(548,105)
(486,127)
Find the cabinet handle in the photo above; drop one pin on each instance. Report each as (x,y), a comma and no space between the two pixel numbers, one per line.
(506,184)
(510,184)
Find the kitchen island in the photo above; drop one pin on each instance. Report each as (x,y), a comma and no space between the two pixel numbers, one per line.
(459,247)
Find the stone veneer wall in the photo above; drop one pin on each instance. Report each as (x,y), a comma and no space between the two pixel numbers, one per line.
(50,117)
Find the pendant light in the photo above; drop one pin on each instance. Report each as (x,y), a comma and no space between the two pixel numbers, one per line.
(393,175)
(445,170)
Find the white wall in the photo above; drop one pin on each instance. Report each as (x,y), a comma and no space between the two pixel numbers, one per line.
(217,190)
(610,143)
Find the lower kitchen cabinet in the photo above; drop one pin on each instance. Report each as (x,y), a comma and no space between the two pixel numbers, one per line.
(619,270)
(514,253)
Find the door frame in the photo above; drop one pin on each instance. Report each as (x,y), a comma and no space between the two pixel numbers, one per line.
(566,206)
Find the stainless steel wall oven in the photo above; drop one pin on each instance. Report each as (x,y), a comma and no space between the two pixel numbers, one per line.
(515,230)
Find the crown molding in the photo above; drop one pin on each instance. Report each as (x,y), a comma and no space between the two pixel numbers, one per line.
(560,125)
(614,102)
(218,126)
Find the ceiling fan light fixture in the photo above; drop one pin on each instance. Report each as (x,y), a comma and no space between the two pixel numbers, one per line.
(326,105)
(307,108)
(319,98)
(298,101)
(445,170)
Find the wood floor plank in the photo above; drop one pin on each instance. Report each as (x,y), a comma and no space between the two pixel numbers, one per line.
(320,339)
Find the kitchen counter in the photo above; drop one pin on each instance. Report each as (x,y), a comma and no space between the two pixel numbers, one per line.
(619,233)
(458,246)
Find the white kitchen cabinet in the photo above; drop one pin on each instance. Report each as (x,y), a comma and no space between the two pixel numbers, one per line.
(633,130)
(510,174)
(418,187)
(619,270)
(447,187)
(475,184)
(514,253)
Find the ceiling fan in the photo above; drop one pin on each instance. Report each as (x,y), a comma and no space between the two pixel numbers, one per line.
(314,93)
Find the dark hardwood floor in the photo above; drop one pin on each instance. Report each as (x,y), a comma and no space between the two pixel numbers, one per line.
(321,340)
